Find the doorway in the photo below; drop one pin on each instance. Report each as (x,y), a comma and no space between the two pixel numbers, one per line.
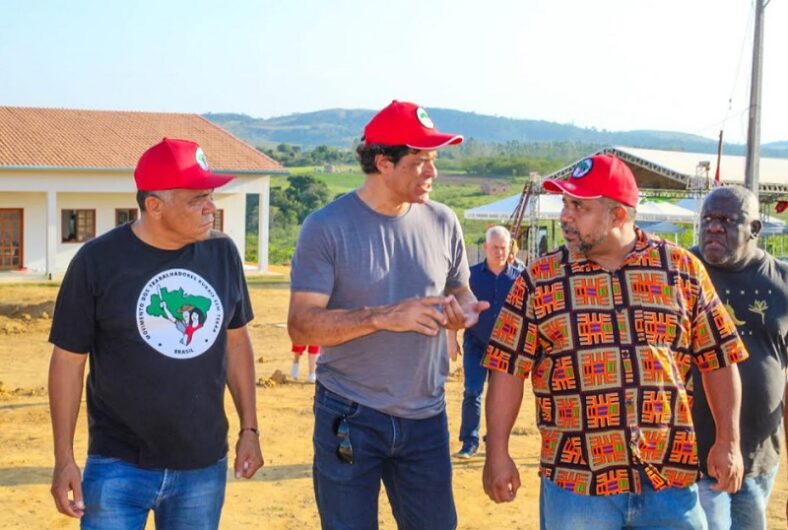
(11,243)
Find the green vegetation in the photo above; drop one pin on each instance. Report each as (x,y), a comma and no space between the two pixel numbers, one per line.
(292,155)
(463,171)
(294,197)
(513,158)
(290,202)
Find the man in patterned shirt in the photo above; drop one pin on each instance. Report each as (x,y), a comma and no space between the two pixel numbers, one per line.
(609,325)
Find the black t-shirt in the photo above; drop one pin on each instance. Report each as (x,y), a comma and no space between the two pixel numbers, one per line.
(757,299)
(154,323)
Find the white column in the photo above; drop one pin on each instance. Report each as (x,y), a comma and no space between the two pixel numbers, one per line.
(262,227)
(51,241)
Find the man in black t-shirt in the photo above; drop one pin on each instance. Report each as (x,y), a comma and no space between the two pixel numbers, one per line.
(159,307)
(754,288)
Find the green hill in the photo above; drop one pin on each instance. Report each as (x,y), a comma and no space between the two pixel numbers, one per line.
(342,128)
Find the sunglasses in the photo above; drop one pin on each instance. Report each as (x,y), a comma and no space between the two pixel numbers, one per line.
(345,449)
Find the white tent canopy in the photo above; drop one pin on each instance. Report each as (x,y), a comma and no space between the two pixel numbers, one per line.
(550,209)
(694,205)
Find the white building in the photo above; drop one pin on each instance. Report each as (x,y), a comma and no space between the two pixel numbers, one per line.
(66,176)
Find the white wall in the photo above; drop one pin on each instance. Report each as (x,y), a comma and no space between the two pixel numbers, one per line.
(103,203)
(103,191)
(234,210)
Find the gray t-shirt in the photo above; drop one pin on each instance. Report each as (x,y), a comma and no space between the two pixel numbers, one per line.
(360,258)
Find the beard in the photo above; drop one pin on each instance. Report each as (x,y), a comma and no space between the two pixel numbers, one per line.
(584,244)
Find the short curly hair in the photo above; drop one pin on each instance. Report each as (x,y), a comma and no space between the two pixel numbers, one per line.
(366,155)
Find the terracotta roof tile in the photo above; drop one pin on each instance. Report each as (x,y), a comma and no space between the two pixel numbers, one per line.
(67,138)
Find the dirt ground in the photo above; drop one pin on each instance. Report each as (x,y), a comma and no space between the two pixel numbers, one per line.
(280,495)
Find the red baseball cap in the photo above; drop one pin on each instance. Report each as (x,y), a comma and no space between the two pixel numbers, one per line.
(598,176)
(403,123)
(176,164)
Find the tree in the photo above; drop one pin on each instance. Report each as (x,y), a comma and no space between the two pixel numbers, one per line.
(306,194)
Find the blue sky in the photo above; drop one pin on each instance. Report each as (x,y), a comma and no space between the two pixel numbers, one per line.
(611,64)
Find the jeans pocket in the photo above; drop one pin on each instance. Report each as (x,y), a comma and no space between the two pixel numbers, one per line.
(334,404)
(327,462)
(99,468)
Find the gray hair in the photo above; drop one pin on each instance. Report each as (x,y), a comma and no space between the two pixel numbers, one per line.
(746,199)
(497,231)
(164,195)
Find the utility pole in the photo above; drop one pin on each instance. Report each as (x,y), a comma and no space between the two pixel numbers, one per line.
(753,159)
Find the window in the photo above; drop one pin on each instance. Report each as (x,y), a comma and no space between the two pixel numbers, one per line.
(124,215)
(78,226)
(218,220)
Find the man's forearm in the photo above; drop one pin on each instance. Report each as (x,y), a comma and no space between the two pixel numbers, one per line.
(330,327)
(723,393)
(502,404)
(240,376)
(66,372)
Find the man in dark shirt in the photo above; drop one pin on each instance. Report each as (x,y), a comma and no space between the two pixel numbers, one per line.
(490,281)
(159,307)
(754,288)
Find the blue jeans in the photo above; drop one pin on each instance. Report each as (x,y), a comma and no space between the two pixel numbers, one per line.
(119,495)
(743,510)
(475,375)
(670,509)
(411,457)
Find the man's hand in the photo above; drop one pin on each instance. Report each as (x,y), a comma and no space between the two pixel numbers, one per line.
(463,316)
(65,478)
(726,465)
(248,456)
(414,314)
(500,478)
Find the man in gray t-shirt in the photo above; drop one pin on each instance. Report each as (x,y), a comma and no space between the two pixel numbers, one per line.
(377,276)
(754,288)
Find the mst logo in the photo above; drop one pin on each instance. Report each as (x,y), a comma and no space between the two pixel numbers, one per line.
(179,314)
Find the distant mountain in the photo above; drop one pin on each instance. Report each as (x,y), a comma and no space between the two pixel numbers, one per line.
(342,128)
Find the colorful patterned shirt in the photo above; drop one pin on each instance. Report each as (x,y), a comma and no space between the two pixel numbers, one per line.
(610,356)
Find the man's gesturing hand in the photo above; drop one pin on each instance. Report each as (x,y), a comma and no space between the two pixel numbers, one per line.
(463,316)
(414,314)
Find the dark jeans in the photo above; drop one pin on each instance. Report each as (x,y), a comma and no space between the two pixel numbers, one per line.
(411,457)
(475,376)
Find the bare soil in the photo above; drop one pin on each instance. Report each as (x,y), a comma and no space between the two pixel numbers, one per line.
(280,495)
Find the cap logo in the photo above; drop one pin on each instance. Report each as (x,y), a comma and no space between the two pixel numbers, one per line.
(199,155)
(424,118)
(582,168)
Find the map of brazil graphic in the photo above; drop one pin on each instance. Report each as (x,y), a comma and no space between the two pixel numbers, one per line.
(179,314)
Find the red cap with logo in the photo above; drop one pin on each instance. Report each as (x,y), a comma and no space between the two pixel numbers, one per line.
(598,176)
(403,123)
(176,164)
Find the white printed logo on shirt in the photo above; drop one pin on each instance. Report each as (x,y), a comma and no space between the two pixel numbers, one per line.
(179,314)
